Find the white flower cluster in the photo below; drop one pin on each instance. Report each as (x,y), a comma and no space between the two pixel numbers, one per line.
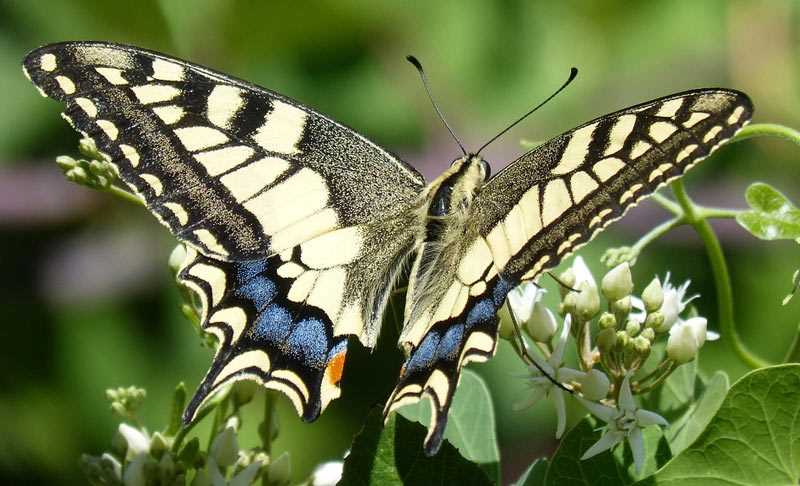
(606,371)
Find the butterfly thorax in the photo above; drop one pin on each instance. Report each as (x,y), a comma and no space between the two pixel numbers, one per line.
(445,211)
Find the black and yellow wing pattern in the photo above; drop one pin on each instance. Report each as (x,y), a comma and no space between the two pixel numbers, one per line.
(296,225)
(541,208)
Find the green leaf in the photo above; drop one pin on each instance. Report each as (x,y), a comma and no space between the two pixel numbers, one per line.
(534,475)
(772,217)
(686,429)
(393,455)
(471,423)
(753,438)
(566,467)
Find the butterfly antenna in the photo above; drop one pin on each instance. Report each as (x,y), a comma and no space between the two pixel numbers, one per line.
(572,73)
(413,60)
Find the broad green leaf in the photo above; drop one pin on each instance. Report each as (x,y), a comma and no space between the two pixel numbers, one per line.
(616,467)
(753,439)
(393,455)
(678,391)
(471,424)
(772,217)
(686,429)
(534,475)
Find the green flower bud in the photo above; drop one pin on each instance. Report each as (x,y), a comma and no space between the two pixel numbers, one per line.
(654,320)
(617,283)
(653,296)
(607,321)
(587,303)
(641,345)
(569,302)
(648,333)
(78,175)
(594,385)
(542,324)
(622,340)
(65,162)
(88,148)
(506,329)
(632,327)
(621,307)
(606,339)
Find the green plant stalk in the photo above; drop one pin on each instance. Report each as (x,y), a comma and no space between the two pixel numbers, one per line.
(722,281)
(767,129)
(123,194)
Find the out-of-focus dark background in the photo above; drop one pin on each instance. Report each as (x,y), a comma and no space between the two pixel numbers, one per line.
(87,301)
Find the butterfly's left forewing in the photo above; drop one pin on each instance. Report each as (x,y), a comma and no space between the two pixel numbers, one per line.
(539,209)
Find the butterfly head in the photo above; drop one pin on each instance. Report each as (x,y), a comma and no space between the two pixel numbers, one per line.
(471,167)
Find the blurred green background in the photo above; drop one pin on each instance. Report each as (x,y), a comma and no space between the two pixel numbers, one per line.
(88,302)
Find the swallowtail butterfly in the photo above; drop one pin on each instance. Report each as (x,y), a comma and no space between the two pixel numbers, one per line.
(297,226)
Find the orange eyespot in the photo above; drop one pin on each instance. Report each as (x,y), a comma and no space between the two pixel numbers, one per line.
(335,368)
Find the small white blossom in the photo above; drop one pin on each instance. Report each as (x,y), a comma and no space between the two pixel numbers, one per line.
(626,421)
(327,474)
(522,298)
(541,386)
(582,273)
(686,338)
(594,384)
(618,282)
(674,303)
(138,442)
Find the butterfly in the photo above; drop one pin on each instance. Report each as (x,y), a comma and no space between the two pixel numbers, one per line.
(297,227)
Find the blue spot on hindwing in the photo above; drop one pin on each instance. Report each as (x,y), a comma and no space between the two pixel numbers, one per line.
(450,345)
(501,289)
(309,342)
(250,268)
(273,324)
(481,312)
(423,356)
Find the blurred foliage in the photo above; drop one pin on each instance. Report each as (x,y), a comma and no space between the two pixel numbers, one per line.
(88,302)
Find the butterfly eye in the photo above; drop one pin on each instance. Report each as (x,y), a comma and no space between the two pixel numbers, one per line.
(487,170)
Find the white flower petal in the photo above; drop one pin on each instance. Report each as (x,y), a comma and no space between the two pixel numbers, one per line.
(246,475)
(681,344)
(712,336)
(137,441)
(645,418)
(558,353)
(327,474)
(521,299)
(582,272)
(636,441)
(698,325)
(604,413)
(134,474)
(557,395)
(609,439)
(566,375)
(626,401)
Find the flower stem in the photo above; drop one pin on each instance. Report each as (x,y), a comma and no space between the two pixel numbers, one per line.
(123,194)
(722,281)
(767,129)
(268,425)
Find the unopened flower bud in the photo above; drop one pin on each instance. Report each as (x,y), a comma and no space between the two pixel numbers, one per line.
(587,304)
(641,345)
(606,339)
(77,174)
(111,466)
(617,283)
(136,440)
(653,296)
(621,307)
(654,320)
(569,302)
(607,321)
(542,324)
(66,162)
(87,147)
(506,329)
(648,333)
(594,385)
(632,327)
(682,344)
(177,257)
(622,340)
(567,278)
